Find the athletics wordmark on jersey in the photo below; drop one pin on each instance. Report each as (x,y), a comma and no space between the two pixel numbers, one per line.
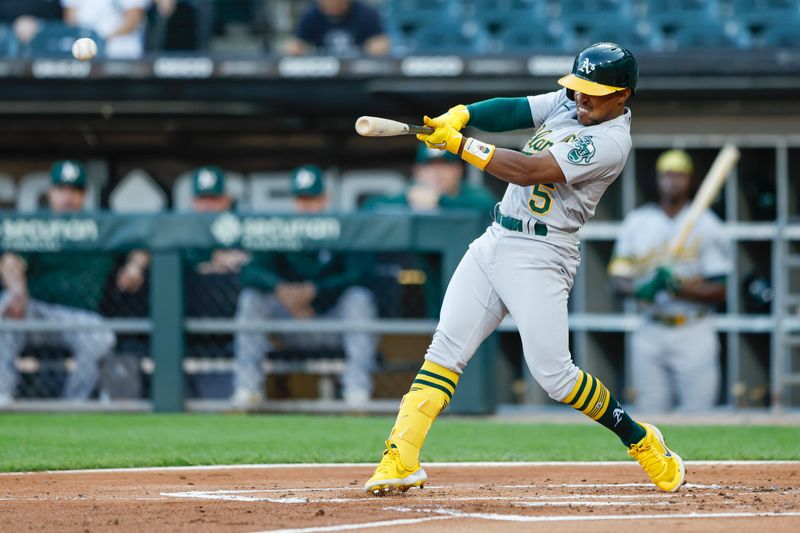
(540,142)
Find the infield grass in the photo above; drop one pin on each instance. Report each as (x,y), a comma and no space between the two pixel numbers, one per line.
(52,442)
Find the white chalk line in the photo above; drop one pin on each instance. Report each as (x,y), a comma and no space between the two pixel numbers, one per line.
(347,527)
(468,464)
(615,486)
(296,495)
(578,503)
(532,501)
(580,518)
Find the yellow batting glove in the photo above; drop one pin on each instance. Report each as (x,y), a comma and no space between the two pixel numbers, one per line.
(456,117)
(443,138)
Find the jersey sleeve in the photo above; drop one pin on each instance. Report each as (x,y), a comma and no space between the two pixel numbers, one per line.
(542,105)
(715,254)
(589,157)
(623,260)
(308,28)
(372,24)
(135,4)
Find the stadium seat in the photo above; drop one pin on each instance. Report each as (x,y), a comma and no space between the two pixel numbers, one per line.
(703,34)
(529,35)
(675,13)
(8,191)
(489,9)
(468,37)
(55,40)
(592,10)
(359,185)
(235,184)
(404,18)
(766,29)
(407,8)
(773,8)
(500,17)
(639,35)
(9,46)
(784,35)
(137,192)
(32,191)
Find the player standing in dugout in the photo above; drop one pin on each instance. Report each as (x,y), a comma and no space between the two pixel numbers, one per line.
(525,262)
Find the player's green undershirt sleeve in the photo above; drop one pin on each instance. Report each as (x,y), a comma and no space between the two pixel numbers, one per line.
(501,114)
(259,273)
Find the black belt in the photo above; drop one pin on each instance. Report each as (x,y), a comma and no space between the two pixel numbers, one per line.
(515,224)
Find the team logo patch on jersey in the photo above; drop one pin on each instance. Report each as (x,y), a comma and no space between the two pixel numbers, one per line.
(583,151)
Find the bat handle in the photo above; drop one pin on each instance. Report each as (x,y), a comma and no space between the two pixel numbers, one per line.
(416,130)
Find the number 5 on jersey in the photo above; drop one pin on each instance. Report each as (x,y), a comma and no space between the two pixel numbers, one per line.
(540,201)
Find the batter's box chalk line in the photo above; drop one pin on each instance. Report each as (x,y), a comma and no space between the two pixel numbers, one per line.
(578,518)
(449,514)
(290,495)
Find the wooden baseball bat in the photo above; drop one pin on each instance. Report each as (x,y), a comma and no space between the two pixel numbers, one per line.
(712,183)
(384,127)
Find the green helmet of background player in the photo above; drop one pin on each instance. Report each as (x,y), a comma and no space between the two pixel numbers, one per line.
(601,69)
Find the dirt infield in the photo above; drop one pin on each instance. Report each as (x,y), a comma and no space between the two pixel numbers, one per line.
(529,497)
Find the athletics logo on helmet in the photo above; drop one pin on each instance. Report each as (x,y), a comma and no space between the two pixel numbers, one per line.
(587,67)
(601,69)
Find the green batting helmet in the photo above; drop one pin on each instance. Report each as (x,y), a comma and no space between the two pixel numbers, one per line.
(601,69)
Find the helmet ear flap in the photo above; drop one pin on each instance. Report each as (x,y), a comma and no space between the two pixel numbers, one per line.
(571,94)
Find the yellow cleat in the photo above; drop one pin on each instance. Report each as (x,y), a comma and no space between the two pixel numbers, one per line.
(664,466)
(392,475)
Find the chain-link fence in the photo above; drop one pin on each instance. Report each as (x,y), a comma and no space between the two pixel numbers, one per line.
(279,326)
(331,326)
(68,331)
(83,337)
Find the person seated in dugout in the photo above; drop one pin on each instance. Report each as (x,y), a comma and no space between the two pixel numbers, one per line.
(339,27)
(212,276)
(305,284)
(437,183)
(64,287)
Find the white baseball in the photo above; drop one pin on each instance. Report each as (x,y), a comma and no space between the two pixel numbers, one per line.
(84,49)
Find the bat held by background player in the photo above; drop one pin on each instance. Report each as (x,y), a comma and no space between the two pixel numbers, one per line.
(384,127)
(712,183)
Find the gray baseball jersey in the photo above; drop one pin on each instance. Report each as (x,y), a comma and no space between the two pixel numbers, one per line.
(643,239)
(686,357)
(508,272)
(591,158)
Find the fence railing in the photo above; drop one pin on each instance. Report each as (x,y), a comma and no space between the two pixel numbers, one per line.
(167,237)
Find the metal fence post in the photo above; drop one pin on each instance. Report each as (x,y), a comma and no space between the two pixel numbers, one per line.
(166,342)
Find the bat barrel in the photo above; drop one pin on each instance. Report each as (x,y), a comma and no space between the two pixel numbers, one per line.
(384,127)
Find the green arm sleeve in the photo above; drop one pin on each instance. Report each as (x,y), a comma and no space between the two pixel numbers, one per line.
(501,114)
(259,273)
(353,268)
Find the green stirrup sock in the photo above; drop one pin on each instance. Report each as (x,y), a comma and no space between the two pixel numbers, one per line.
(593,399)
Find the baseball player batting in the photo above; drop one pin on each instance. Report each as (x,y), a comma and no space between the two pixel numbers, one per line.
(525,262)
